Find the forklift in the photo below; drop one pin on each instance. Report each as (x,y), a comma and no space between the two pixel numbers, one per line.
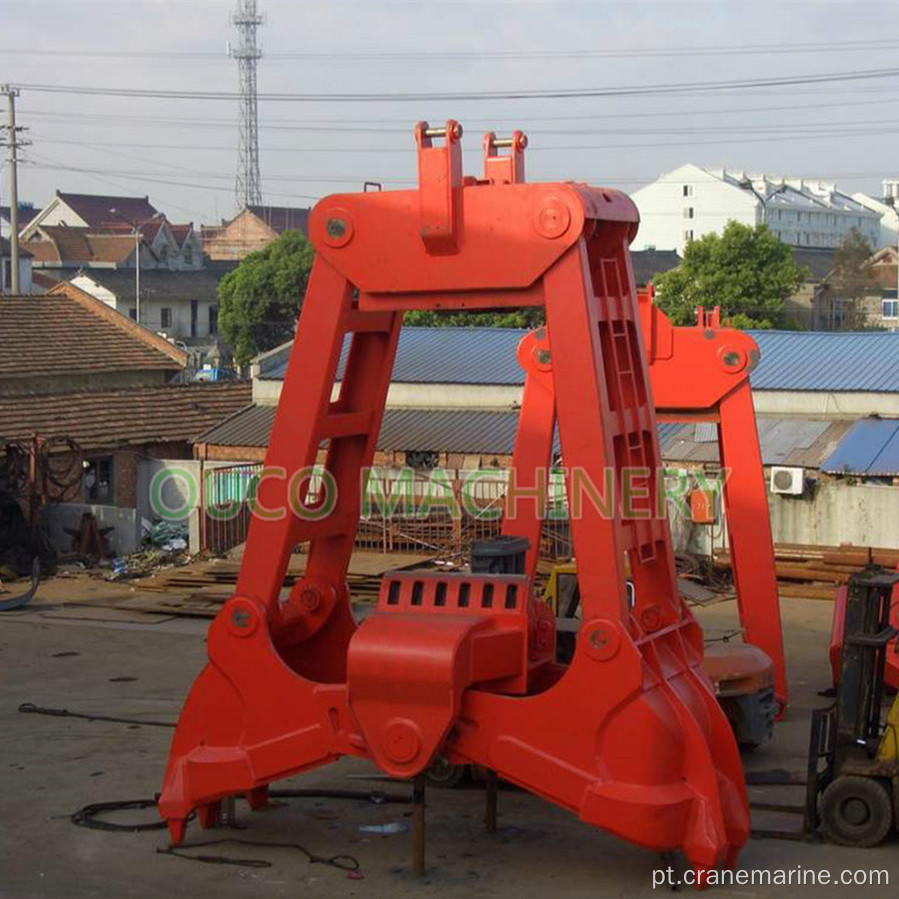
(853,777)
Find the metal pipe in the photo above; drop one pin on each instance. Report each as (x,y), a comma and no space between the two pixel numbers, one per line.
(441,132)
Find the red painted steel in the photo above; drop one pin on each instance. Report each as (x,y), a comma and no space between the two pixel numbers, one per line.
(702,372)
(629,736)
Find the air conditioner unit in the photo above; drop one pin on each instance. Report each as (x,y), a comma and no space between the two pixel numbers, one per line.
(790,481)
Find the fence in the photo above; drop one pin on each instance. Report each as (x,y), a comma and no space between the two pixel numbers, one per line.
(402,512)
(226,510)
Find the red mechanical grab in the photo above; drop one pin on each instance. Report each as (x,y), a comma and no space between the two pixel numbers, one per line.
(629,736)
(701,373)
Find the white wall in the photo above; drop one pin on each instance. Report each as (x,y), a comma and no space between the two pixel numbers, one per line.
(815,216)
(664,208)
(125,538)
(839,512)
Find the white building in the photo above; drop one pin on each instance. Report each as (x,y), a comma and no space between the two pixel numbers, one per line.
(691,201)
(887,210)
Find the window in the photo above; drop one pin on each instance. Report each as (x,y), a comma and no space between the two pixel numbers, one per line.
(891,308)
(194,316)
(688,236)
(132,314)
(165,317)
(7,273)
(688,212)
(213,319)
(688,190)
(188,257)
(98,486)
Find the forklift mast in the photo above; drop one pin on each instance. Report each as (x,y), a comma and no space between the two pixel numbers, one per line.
(629,736)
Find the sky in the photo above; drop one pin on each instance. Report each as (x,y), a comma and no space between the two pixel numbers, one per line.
(183,151)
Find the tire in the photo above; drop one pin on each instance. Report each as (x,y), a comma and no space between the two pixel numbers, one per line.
(446,776)
(856,811)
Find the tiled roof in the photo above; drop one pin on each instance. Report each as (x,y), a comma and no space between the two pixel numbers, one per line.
(97,210)
(77,246)
(27,211)
(181,232)
(6,249)
(106,419)
(818,261)
(58,334)
(648,263)
(282,218)
(160,283)
(866,361)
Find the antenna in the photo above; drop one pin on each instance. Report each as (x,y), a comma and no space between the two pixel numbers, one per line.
(247,52)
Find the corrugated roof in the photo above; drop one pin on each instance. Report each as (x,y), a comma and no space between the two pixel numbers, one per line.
(870,448)
(865,361)
(790,360)
(784,441)
(439,356)
(425,430)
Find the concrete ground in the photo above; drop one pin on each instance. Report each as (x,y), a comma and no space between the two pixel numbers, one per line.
(126,664)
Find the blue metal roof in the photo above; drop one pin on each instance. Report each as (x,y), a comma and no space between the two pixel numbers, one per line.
(870,448)
(790,360)
(822,360)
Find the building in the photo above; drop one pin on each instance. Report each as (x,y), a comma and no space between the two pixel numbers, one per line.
(26,284)
(455,393)
(74,369)
(888,235)
(690,201)
(181,305)
(27,212)
(93,211)
(253,228)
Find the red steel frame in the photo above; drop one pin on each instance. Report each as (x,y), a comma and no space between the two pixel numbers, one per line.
(629,736)
(701,373)
(698,373)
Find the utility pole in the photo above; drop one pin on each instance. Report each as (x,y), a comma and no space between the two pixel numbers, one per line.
(247,53)
(12,144)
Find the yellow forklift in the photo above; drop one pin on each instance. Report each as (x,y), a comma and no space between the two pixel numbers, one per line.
(853,777)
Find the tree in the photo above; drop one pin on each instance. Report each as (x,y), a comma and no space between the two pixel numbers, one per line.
(260,300)
(505,318)
(853,279)
(746,271)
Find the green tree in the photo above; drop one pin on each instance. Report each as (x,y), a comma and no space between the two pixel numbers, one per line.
(746,271)
(853,279)
(505,318)
(260,300)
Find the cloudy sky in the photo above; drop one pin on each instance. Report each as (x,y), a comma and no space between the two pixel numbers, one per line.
(182,150)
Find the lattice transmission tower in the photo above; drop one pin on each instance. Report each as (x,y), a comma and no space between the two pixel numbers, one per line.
(247,53)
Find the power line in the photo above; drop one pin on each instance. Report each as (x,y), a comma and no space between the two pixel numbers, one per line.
(477,96)
(869,46)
